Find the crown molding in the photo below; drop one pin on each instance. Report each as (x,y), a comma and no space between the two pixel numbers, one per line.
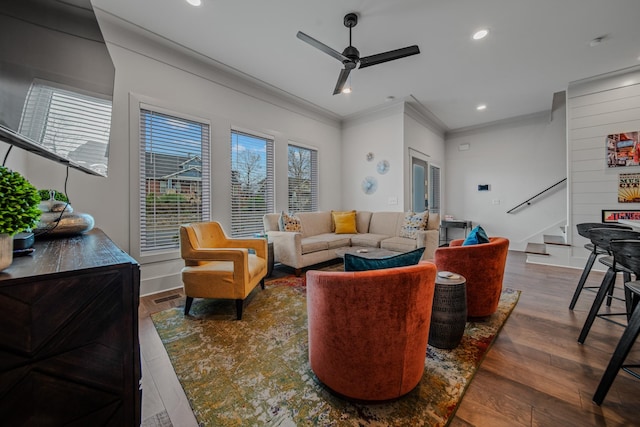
(131,37)
(517,120)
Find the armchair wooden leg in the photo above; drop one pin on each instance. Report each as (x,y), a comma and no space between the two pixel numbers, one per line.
(239,308)
(187,305)
(297,272)
(262,283)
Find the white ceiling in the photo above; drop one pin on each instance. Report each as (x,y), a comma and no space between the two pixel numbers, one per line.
(534,48)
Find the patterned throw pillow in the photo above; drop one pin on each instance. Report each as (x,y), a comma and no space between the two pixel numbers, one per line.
(414,222)
(289,222)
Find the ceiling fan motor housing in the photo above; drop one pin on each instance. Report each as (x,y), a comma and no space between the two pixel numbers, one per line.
(352,53)
(350,20)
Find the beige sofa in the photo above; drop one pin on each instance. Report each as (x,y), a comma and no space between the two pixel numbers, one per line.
(317,242)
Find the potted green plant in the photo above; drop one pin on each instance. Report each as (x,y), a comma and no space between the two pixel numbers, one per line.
(19,211)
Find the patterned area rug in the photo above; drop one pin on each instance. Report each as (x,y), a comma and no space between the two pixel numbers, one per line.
(256,371)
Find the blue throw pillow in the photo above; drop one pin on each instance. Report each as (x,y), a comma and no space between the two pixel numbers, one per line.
(358,263)
(477,235)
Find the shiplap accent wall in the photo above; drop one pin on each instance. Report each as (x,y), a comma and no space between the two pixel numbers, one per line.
(595,109)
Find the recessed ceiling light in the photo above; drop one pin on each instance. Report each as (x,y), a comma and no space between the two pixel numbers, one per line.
(194,2)
(481,107)
(480,34)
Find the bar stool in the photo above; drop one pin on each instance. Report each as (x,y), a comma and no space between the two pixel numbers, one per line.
(627,252)
(595,251)
(602,237)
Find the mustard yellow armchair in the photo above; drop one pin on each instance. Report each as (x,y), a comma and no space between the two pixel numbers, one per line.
(220,267)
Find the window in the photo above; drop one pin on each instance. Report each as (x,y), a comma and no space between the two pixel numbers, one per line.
(252,191)
(434,181)
(174,178)
(302,179)
(73,125)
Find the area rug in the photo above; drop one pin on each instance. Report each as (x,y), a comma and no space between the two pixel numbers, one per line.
(256,371)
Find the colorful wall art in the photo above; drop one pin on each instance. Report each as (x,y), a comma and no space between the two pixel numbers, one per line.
(623,149)
(629,188)
(614,215)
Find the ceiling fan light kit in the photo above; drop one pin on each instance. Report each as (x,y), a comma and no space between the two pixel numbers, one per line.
(350,56)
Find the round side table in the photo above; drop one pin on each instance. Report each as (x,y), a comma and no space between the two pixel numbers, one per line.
(449,312)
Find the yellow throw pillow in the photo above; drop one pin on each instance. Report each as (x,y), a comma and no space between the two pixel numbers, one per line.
(345,223)
(333,218)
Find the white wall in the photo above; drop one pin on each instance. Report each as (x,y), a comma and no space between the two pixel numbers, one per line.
(149,70)
(380,133)
(388,133)
(425,138)
(597,108)
(517,159)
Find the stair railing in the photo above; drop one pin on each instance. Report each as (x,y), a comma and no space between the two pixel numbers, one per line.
(528,201)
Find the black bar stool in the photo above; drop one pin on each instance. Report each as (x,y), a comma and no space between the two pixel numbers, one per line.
(627,252)
(595,251)
(602,237)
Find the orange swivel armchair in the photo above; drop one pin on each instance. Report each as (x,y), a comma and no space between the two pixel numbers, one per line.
(368,330)
(220,267)
(483,267)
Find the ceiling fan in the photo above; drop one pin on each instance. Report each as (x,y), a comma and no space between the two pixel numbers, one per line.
(350,57)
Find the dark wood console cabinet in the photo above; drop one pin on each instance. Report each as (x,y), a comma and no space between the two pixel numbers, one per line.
(69,348)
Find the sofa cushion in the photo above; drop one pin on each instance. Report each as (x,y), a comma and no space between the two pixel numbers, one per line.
(363,218)
(357,263)
(315,223)
(414,222)
(312,244)
(345,223)
(398,244)
(335,241)
(386,223)
(289,222)
(433,223)
(476,236)
(368,239)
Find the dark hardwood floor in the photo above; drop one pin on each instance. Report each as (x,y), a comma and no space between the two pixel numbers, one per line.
(536,373)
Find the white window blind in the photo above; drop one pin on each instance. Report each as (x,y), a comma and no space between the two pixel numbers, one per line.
(71,124)
(174,178)
(302,179)
(252,189)
(435,189)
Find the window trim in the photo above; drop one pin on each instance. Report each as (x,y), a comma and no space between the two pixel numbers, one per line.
(136,103)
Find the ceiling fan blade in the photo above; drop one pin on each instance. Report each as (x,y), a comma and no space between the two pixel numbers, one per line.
(342,79)
(379,58)
(323,47)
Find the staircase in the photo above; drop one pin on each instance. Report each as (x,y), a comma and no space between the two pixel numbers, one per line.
(553,251)
(541,248)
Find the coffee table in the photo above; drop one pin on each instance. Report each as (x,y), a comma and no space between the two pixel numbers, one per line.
(366,252)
